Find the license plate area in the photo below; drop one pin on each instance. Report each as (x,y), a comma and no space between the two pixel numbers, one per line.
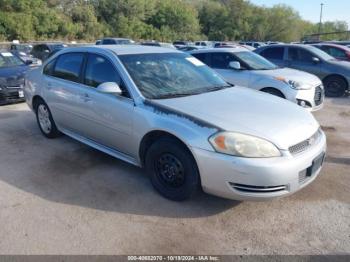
(316,164)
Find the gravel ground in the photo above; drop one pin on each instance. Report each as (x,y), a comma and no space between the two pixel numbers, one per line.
(62,197)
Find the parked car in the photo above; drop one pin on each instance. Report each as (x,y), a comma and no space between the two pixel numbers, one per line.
(245,68)
(340,52)
(98,42)
(166,111)
(21,48)
(151,43)
(253,44)
(42,51)
(12,71)
(334,74)
(22,51)
(189,48)
(116,41)
(204,44)
(180,44)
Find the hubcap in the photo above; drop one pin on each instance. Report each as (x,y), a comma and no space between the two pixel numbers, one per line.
(334,87)
(44,119)
(170,170)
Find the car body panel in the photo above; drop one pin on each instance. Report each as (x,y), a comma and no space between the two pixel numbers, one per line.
(99,118)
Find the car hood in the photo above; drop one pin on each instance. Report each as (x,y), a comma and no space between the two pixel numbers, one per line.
(242,110)
(291,74)
(12,76)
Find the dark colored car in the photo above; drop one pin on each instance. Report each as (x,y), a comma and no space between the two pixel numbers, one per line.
(12,71)
(340,52)
(150,43)
(42,51)
(116,41)
(180,44)
(334,74)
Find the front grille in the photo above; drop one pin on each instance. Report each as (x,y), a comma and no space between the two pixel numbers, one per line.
(303,176)
(258,189)
(9,95)
(306,144)
(318,96)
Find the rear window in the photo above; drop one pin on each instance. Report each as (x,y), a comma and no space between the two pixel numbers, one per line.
(273,53)
(68,66)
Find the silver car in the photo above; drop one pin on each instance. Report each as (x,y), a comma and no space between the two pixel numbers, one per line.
(245,68)
(166,111)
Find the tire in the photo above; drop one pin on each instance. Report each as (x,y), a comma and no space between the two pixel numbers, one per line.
(273,91)
(335,86)
(172,169)
(45,121)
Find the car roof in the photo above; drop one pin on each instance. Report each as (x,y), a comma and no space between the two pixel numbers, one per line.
(331,44)
(220,50)
(285,45)
(122,49)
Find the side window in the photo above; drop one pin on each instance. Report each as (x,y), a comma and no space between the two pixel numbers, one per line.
(221,60)
(68,66)
(337,52)
(100,70)
(48,69)
(273,53)
(299,54)
(108,42)
(202,56)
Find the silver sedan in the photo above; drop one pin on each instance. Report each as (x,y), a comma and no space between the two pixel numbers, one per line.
(166,111)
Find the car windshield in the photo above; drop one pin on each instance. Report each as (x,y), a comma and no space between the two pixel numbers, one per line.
(24,48)
(167,75)
(9,60)
(255,61)
(321,54)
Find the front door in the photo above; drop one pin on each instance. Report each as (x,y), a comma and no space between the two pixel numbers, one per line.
(301,59)
(110,116)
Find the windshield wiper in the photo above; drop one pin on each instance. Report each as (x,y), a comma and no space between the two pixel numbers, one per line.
(174,95)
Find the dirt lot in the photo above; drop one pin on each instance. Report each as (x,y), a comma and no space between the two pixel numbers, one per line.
(62,197)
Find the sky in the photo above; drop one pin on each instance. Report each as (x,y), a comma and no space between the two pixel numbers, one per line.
(310,9)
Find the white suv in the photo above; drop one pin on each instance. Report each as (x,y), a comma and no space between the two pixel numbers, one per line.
(244,68)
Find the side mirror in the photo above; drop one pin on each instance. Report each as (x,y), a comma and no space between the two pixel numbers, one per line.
(109,88)
(29,62)
(235,65)
(316,60)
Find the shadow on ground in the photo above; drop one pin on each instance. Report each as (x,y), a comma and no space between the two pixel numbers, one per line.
(65,171)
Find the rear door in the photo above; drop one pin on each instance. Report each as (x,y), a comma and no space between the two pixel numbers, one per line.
(220,62)
(63,95)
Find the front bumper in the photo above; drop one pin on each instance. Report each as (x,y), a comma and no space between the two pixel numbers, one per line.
(311,99)
(230,177)
(13,95)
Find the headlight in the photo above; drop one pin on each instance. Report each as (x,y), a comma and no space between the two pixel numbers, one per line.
(241,145)
(294,84)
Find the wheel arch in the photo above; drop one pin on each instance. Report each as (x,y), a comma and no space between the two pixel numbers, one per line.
(152,136)
(35,100)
